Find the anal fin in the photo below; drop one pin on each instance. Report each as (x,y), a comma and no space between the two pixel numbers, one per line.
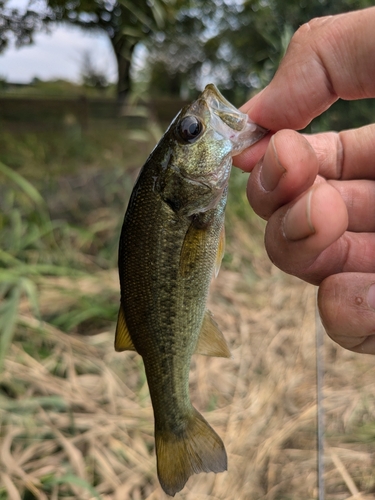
(211,341)
(123,341)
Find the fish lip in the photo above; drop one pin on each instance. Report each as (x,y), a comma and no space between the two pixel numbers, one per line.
(224,109)
(230,122)
(216,99)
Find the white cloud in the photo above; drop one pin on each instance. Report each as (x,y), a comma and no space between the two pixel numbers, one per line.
(58,55)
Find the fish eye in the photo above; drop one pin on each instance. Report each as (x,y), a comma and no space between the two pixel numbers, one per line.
(190,128)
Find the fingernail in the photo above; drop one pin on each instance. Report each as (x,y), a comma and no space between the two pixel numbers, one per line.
(271,168)
(297,221)
(371,296)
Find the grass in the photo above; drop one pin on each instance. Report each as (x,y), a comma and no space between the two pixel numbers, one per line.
(75,417)
(66,151)
(60,88)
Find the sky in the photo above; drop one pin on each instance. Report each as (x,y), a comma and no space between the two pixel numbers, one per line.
(58,54)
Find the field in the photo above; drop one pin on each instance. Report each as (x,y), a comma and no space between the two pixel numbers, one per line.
(75,417)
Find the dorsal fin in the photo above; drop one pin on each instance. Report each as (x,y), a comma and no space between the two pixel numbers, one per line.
(211,341)
(123,341)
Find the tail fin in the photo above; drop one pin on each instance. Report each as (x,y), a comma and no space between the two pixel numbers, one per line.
(197,449)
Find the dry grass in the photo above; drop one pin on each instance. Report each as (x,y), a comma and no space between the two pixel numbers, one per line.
(77,420)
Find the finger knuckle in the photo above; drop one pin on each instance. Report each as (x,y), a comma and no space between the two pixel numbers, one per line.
(307,32)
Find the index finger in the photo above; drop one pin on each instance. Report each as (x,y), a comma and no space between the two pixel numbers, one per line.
(327,58)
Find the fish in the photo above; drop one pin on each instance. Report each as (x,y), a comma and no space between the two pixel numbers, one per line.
(171,244)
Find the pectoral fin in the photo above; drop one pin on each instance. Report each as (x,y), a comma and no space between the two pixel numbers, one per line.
(191,248)
(123,342)
(211,341)
(220,251)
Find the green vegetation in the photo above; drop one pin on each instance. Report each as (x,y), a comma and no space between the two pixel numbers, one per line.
(68,150)
(62,202)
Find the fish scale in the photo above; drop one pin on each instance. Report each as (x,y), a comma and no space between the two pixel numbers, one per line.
(171,242)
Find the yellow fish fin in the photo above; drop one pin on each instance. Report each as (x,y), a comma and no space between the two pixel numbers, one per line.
(192,245)
(220,251)
(211,341)
(196,448)
(123,342)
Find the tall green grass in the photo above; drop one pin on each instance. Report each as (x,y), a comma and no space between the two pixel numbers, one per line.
(24,224)
(62,200)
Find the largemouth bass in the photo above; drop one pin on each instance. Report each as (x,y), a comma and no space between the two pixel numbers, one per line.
(172,242)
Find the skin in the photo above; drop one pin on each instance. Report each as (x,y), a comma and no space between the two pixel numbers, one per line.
(317,192)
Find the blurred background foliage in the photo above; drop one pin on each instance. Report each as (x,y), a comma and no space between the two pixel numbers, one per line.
(180,45)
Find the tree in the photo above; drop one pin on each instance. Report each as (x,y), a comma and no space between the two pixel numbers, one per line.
(17,25)
(125,22)
(237,44)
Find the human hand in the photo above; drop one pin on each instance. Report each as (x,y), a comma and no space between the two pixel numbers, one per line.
(317,192)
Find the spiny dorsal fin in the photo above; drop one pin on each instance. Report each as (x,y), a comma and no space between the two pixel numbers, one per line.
(220,251)
(211,341)
(123,342)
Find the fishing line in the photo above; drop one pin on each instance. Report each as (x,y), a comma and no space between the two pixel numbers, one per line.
(319,336)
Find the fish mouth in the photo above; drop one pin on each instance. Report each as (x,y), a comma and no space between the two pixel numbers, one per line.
(228,113)
(229,122)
